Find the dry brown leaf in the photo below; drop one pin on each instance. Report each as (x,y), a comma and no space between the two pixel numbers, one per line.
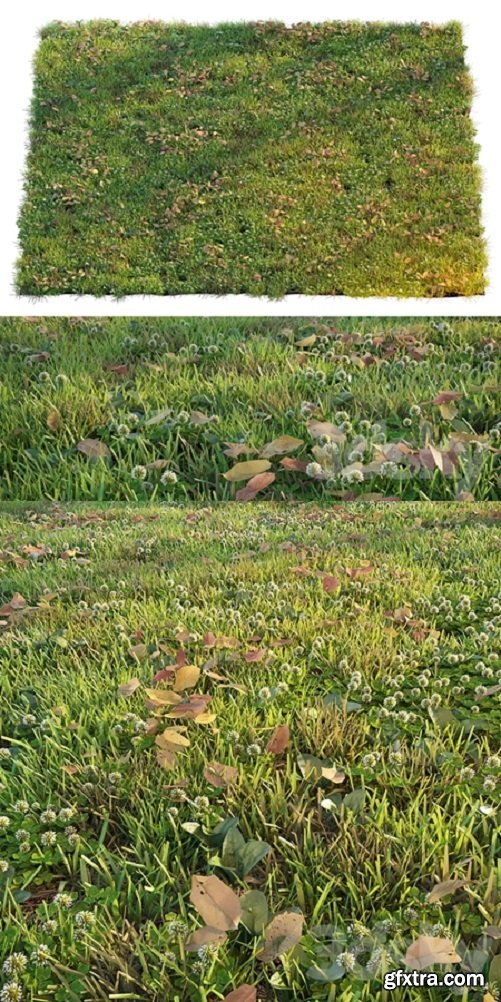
(445,397)
(279,740)
(428,950)
(246,993)
(255,655)
(220,775)
(93,448)
(444,888)
(283,932)
(138,652)
(244,471)
(16,604)
(298,465)
(205,936)
(168,744)
(198,417)
(254,485)
(236,449)
(280,446)
(320,428)
(330,583)
(218,905)
(127,688)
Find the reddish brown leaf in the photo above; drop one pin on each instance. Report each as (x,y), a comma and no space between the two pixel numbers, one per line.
(298,465)
(256,484)
(220,775)
(330,583)
(279,740)
(93,448)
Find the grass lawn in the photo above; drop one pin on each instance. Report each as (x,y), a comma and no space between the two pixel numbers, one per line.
(166,409)
(332,679)
(334,158)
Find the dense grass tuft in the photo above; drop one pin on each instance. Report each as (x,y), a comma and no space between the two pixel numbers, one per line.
(414,405)
(334,158)
(390,676)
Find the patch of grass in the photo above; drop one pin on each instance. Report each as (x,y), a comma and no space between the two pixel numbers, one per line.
(411,406)
(387,677)
(335,158)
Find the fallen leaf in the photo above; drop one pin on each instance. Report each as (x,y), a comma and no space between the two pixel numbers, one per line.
(428,950)
(138,652)
(255,655)
(236,449)
(168,744)
(330,583)
(127,688)
(198,417)
(320,428)
(16,603)
(53,420)
(244,471)
(255,484)
(283,932)
(118,368)
(445,397)
(158,417)
(246,993)
(446,887)
(279,740)
(218,905)
(220,775)
(186,677)
(206,936)
(280,446)
(298,465)
(93,448)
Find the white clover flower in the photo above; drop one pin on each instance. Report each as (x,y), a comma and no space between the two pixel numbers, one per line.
(40,954)
(168,477)
(84,919)
(415,410)
(346,960)
(139,473)
(63,899)
(4,866)
(314,471)
(11,992)
(21,807)
(66,813)
(48,838)
(4,822)
(389,469)
(201,803)
(15,965)
(48,816)
(5,753)
(354,477)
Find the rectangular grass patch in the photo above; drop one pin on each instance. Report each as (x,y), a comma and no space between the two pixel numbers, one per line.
(209,409)
(333,159)
(256,730)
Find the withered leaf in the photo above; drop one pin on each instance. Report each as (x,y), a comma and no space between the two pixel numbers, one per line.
(330,583)
(283,933)
(93,448)
(280,446)
(279,740)
(428,950)
(198,417)
(127,688)
(53,420)
(254,485)
(186,677)
(220,775)
(446,887)
(320,428)
(246,993)
(246,470)
(206,936)
(217,903)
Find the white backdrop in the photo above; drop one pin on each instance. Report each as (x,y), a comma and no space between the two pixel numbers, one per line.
(18,40)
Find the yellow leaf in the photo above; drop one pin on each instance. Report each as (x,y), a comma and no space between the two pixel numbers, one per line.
(186,677)
(162,697)
(244,471)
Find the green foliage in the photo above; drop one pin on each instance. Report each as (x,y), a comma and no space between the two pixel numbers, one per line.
(335,158)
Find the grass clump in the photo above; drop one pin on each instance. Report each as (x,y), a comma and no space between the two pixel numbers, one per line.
(333,676)
(185,410)
(332,159)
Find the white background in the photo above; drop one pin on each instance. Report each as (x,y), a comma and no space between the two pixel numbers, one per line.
(19,37)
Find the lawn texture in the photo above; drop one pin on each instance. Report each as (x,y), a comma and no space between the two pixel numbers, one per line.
(370,632)
(168,409)
(327,159)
